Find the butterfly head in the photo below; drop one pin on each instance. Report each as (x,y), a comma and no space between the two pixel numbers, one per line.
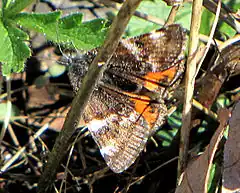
(79,67)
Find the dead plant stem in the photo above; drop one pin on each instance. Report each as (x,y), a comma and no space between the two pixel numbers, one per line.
(189,85)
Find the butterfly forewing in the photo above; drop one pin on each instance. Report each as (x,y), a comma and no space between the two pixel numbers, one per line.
(150,60)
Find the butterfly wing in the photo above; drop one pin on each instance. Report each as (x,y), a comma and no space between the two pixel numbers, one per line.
(118,127)
(154,60)
(121,114)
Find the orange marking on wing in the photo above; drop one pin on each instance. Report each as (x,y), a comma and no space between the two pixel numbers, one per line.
(148,113)
(153,78)
(141,103)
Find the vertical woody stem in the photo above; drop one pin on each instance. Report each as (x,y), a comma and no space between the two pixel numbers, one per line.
(189,83)
(80,101)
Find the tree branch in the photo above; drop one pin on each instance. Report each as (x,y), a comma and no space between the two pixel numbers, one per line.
(95,72)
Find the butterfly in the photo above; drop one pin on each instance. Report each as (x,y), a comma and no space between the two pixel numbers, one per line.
(129,103)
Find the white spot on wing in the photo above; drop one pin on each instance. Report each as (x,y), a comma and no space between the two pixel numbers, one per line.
(131,47)
(96,124)
(108,150)
(128,120)
(155,35)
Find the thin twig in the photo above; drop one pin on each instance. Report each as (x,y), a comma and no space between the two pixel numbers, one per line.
(96,69)
(160,21)
(13,136)
(22,150)
(214,26)
(224,14)
(172,15)
(154,170)
(228,42)
(68,160)
(208,112)
(189,83)
(141,15)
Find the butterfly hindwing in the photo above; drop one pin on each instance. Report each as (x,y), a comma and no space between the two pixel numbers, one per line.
(119,128)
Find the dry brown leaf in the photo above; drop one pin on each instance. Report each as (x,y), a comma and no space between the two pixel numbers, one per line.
(57,123)
(227,64)
(231,172)
(38,97)
(196,175)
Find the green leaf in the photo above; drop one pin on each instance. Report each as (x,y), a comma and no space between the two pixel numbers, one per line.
(175,120)
(234,5)
(13,7)
(13,49)
(226,30)
(68,30)
(207,22)
(39,22)
(5,44)
(84,36)
(166,136)
(208,19)
(203,127)
(211,176)
(139,26)
(183,16)
(71,21)
(158,9)
(222,101)
(3,111)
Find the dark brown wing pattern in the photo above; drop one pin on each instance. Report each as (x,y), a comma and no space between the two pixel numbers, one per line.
(121,114)
(119,130)
(151,60)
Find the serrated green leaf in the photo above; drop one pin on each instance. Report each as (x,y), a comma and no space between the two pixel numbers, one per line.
(21,51)
(38,21)
(13,7)
(83,36)
(5,46)
(68,30)
(13,49)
